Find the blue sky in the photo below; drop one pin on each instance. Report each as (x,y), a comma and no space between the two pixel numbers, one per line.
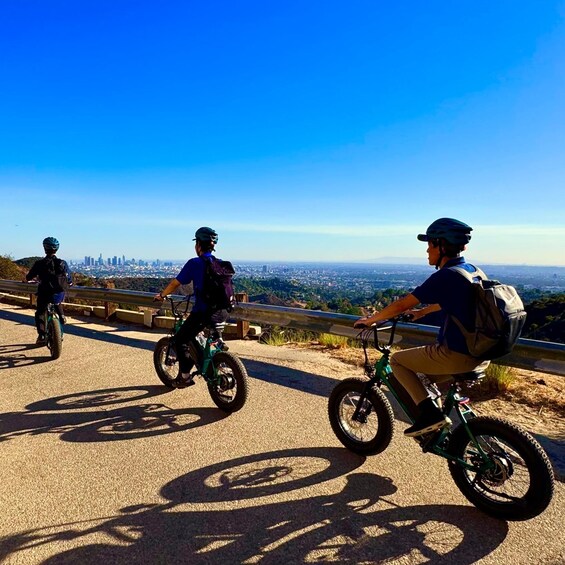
(300,130)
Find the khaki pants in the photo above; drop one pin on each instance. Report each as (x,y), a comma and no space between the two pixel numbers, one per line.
(435,361)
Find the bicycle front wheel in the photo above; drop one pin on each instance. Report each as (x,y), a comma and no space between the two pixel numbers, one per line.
(228,383)
(517,485)
(369,432)
(166,362)
(54,337)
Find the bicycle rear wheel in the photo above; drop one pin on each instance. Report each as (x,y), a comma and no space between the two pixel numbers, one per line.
(54,337)
(518,486)
(228,383)
(166,362)
(372,430)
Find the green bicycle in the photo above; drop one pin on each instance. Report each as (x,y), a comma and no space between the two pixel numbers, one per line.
(224,373)
(498,466)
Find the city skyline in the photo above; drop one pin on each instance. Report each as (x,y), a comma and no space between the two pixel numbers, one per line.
(317,131)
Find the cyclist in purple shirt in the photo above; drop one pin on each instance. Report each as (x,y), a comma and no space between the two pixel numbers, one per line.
(201,315)
(445,291)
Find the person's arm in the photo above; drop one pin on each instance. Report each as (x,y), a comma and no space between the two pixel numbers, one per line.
(397,307)
(169,289)
(32,274)
(421,312)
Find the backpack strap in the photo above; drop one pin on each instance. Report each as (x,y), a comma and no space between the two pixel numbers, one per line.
(470,276)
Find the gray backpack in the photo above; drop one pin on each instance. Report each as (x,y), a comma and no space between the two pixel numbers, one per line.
(499,316)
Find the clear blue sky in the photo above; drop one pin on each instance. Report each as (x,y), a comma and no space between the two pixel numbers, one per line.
(300,130)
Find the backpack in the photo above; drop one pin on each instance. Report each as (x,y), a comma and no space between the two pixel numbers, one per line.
(218,291)
(56,278)
(499,316)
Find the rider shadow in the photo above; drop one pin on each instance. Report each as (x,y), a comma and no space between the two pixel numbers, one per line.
(56,416)
(357,524)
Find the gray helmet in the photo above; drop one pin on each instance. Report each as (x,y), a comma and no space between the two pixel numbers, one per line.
(452,231)
(206,235)
(50,245)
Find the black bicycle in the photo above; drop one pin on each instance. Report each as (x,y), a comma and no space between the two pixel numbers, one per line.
(224,373)
(497,465)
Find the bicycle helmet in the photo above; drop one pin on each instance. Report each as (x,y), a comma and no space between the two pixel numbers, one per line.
(452,231)
(206,235)
(50,245)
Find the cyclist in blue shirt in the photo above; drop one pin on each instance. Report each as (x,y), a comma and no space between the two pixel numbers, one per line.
(445,291)
(201,315)
(54,277)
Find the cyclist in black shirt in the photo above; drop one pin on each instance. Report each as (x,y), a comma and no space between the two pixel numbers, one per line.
(54,277)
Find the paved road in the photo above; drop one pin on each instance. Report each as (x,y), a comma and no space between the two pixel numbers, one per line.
(100,465)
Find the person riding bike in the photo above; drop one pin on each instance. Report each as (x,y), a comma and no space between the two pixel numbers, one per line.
(54,277)
(447,292)
(202,314)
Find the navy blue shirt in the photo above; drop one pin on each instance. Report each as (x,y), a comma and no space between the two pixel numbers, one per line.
(453,293)
(193,272)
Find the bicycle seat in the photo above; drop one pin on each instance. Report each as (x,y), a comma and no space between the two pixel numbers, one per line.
(474,375)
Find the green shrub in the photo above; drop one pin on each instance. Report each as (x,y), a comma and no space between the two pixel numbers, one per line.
(333,341)
(498,378)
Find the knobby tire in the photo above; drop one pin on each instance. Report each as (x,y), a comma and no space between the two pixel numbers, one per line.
(523,470)
(230,392)
(166,373)
(365,438)
(55,338)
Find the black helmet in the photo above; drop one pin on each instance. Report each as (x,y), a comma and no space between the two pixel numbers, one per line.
(206,235)
(50,245)
(453,231)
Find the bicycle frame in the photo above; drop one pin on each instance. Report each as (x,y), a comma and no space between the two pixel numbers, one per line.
(208,350)
(50,315)
(379,374)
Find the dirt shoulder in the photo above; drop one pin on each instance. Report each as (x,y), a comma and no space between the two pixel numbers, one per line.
(535,401)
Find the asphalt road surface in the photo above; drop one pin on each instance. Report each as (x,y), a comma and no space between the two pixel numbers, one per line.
(100,464)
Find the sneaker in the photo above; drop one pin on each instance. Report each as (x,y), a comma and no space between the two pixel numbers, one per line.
(183,380)
(430,420)
(40,340)
(63,320)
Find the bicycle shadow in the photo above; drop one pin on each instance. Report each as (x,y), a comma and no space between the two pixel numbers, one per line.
(357,524)
(73,418)
(11,358)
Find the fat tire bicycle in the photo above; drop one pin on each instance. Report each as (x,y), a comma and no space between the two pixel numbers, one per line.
(224,373)
(498,466)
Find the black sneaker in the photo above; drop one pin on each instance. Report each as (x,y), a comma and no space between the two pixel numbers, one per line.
(426,424)
(40,340)
(431,419)
(183,382)
(63,320)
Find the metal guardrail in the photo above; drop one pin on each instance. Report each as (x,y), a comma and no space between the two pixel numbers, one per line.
(543,356)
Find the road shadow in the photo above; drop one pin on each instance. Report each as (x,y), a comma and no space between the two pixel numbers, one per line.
(357,524)
(13,356)
(84,417)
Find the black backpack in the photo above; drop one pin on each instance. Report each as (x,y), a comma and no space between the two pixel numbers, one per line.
(56,279)
(217,291)
(499,316)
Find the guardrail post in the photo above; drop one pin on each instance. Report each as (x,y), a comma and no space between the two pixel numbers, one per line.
(33,300)
(242,325)
(109,310)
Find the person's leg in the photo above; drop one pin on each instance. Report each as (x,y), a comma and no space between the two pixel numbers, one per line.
(191,327)
(42,301)
(435,361)
(58,303)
